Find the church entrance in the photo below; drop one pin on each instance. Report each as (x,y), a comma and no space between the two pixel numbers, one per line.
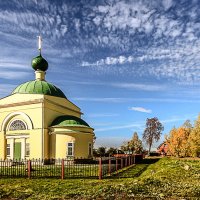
(17,150)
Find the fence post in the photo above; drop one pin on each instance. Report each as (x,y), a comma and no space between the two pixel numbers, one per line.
(109,166)
(116,164)
(126,161)
(29,168)
(100,168)
(63,169)
(129,160)
(134,159)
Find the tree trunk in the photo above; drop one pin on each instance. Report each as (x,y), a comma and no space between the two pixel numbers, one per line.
(149,149)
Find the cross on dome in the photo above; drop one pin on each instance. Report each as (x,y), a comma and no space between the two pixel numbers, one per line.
(40,43)
(39,63)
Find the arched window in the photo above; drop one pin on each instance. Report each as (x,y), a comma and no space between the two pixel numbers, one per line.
(17,125)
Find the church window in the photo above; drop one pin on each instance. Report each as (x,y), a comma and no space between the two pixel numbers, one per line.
(8,149)
(17,125)
(70,149)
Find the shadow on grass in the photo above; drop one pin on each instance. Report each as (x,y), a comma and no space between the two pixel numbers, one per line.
(136,170)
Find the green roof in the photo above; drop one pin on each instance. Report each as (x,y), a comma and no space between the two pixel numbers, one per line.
(68,120)
(39,87)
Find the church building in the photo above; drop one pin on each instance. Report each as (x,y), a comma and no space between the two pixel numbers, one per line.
(38,121)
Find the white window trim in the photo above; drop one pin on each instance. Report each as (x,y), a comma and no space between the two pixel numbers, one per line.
(67,153)
(26,149)
(12,141)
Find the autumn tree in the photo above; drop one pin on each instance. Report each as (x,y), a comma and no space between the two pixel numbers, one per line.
(178,143)
(125,146)
(152,131)
(134,145)
(194,139)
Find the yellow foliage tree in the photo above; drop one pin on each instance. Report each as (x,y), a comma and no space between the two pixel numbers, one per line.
(194,139)
(178,142)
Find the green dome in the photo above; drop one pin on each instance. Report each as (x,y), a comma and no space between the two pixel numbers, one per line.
(68,120)
(39,63)
(39,87)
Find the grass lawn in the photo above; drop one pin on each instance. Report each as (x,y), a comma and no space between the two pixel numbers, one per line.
(165,178)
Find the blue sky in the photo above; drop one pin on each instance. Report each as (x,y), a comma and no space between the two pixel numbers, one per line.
(120,61)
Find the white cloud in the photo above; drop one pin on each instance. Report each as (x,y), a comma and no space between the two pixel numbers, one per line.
(167,4)
(144,87)
(13,74)
(137,126)
(141,109)
(6,89)
(116,26)
(131,86)
(179,118)
(110,61)
(14,65)
(102,99)
(123,100)
(94,115)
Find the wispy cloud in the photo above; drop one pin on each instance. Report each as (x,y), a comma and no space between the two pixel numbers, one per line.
(102,99)
(123,100)
(13,65)
(138,86)
(179,118)
(137,126)
(6,89)
(143,38)
(96,115)
(13,74)
(110,61)
(141,109)
(125,85)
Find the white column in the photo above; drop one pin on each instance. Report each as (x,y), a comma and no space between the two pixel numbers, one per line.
(12,141)
(23,148)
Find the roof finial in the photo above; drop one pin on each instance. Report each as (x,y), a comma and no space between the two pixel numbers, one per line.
(39,43)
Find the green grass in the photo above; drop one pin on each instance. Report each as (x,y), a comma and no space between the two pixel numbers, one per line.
(164,178)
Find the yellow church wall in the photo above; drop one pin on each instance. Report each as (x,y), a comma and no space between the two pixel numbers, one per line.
(34,112)
(2,145)
(52,144)
(16,98)
(36,140)
(32,109)
(51,112)
(62,102)
(81,144)
(81,147)
(61,145)
(82,137)
(46,144)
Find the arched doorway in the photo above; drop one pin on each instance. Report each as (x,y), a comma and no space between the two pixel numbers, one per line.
(16,127)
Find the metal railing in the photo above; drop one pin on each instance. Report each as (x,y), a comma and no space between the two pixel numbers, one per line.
(66,168)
